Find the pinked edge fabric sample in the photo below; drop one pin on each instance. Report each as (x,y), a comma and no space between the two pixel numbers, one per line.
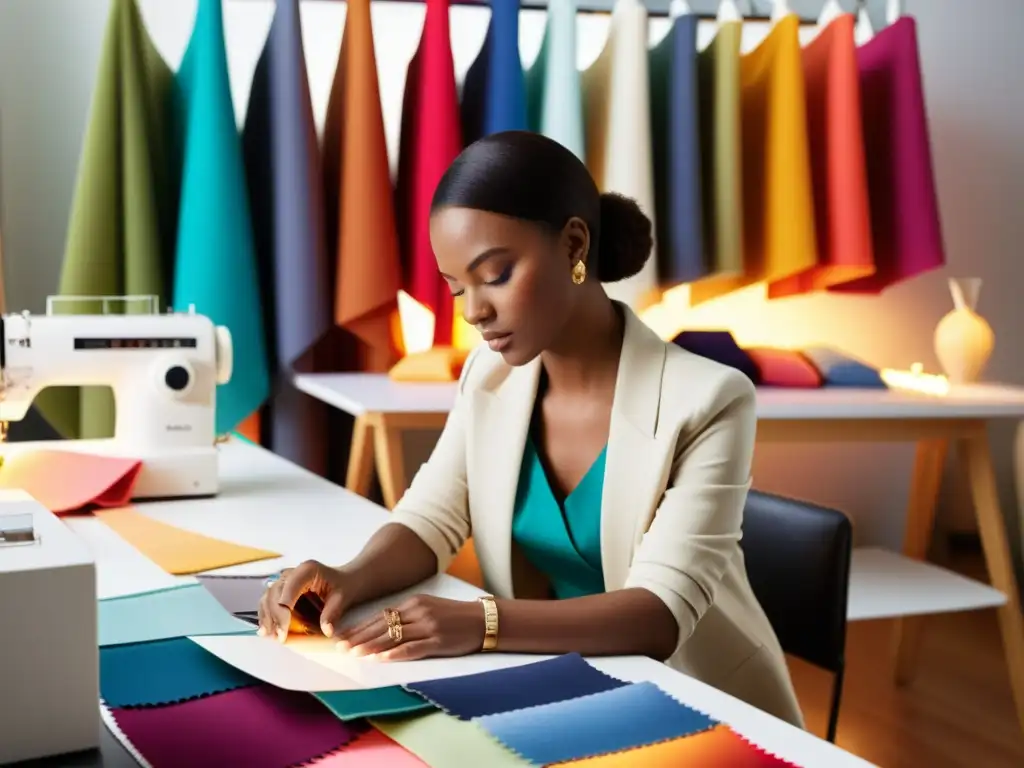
(442,740)
(164,672)
(529,685)
(623,718)
(373,702)
(372,750)
(258,727)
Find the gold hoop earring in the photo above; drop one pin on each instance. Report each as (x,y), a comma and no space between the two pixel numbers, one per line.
(579,272)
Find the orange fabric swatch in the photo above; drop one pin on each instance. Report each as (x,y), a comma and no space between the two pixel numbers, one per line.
(371,750)
(68,481)
(177,551)
(435,364)
(719,747)
(359,200)
(838,165)
(784,368)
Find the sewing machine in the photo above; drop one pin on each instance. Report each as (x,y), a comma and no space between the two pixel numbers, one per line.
(163,369)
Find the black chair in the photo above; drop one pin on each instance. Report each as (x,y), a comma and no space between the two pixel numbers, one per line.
(798,562)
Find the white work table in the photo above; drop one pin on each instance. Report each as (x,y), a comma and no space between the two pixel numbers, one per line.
(270,503)
(901,586)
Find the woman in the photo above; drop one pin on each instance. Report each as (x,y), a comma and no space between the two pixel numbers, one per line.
(593,462)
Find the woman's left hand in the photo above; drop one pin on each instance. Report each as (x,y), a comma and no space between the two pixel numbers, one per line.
(429,626)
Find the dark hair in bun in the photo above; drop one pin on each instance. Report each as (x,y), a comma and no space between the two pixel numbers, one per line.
(528,176)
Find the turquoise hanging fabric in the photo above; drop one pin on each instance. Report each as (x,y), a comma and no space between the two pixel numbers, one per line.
(494,91)
(554,95)
(215,266)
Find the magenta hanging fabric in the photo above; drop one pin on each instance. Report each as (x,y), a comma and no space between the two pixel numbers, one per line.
(906,232)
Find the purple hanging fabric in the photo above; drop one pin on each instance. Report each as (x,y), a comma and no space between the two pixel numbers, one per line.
(906,232)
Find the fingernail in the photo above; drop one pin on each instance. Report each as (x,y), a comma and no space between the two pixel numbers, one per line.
(261,632)
(328,629)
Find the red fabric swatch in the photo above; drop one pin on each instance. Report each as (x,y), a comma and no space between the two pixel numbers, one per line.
(784,368)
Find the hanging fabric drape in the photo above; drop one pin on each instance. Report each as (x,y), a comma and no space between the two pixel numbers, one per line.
(283,167)
(839,174)
(554,95)
(215,268)
(905,225)
(494,89)
(618,131)
(359,202)
(431,138)
(675,132)
(120,237)
(721,151)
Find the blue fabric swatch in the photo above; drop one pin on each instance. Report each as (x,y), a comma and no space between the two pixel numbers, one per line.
(611,721)
(529,685)
(373,702)
(494,89)
(840,370)
(721,347)
(164,672)
(178,612)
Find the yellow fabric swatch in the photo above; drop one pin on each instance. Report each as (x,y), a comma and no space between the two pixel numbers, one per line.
(718,747)
(438,364)
(176,550)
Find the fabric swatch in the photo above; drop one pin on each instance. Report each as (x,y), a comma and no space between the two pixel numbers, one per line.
(623,718)
(177,612)
(258,727)
(721,347)
(238,594)
(528,685)
(718,747)
(174,549)
(840,370)
(437,364)
(373,702)
(69,481)
(164,672)
(442,740)
(554,95)
(783,368)
(371,750)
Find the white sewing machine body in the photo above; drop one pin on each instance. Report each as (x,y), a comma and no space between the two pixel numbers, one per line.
(49,665)
(163,369)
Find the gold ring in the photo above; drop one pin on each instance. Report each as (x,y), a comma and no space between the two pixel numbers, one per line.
(394,621)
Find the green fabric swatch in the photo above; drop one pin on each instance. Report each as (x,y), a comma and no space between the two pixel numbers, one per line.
(120,237)
(215,266)
(373,702)
(440,739)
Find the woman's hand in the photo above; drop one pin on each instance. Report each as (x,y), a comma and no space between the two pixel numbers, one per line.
(429,626)
(308,598)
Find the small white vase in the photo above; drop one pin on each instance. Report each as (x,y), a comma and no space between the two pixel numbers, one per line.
(963,339)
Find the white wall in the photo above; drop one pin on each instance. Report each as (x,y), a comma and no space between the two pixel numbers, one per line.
(49,51)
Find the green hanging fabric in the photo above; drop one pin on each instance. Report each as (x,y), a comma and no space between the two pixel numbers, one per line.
(120,236)
(215,268)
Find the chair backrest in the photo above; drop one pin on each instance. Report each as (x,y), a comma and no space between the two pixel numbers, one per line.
(798,562)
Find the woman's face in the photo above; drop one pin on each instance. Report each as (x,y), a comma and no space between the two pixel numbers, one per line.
(515,278)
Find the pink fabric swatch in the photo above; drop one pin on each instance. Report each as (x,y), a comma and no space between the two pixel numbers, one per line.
(258,727)
(372,750)
(70,481)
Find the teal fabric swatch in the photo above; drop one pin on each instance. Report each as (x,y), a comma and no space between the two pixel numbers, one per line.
(179,612)
(553,92)
(563,541)
(215,265)
(373,702)
(164,672)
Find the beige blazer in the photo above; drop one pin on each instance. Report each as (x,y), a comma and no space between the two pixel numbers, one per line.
(677,473)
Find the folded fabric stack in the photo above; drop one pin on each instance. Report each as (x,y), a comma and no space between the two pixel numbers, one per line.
(171,702)
(812,367)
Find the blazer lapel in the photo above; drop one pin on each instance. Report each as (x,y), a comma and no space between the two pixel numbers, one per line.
(634,469)
(501,422)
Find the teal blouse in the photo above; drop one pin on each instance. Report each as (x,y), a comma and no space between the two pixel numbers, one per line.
(563,541)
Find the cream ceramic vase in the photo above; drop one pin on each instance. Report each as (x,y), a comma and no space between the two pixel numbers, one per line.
(963,339)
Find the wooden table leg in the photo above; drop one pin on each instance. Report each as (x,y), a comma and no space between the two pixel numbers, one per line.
(924,494)
(390,458)
(991,525)
(359,475)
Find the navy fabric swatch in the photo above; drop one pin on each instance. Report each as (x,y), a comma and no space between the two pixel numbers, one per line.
(164,672)
(721,347)
(529,685)
(494,89)
(611,721)
(840,370)
(373,702)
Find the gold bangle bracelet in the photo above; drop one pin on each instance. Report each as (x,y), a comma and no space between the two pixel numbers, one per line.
(490,623)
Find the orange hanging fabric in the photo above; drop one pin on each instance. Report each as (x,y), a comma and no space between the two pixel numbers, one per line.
(359,200)
(838,166)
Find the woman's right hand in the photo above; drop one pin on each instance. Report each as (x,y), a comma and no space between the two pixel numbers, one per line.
(315,584)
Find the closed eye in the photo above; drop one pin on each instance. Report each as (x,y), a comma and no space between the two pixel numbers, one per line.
(501,279)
